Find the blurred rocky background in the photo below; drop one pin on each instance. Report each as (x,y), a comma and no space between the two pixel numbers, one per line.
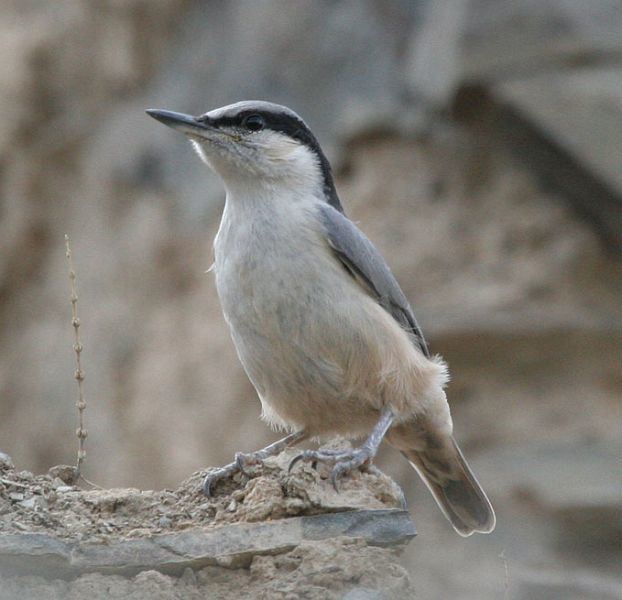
(477,142)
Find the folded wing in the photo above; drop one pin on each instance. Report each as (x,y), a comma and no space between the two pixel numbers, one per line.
(363,261)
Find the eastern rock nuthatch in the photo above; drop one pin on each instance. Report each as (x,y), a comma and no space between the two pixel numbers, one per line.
(319,322)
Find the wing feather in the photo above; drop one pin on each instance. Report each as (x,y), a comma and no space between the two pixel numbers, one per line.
(361,258)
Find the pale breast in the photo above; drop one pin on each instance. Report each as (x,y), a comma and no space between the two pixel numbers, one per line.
(318,349)
(280,289)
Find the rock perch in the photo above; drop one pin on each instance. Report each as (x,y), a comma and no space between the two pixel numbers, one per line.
(270,534)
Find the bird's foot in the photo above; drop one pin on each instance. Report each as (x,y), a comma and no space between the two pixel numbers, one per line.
(243,461)
(239,465)
(343,461)
(212,478)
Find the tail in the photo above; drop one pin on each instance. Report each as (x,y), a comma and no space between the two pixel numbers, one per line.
(454,487)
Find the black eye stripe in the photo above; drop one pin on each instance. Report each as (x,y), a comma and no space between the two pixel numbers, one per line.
(281,122)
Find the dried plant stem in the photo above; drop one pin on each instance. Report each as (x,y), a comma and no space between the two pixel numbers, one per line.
(81,432)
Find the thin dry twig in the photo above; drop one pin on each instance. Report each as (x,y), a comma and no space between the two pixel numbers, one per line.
(78,375)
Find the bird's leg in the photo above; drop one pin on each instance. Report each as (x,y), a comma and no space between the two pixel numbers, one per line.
(346,461)
(243,460)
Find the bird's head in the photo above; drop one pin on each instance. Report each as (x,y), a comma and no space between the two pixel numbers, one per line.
(256,142)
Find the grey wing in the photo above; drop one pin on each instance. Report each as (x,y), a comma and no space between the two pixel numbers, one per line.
(360,257)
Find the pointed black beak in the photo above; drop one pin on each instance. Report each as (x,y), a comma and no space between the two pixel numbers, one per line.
(178,121)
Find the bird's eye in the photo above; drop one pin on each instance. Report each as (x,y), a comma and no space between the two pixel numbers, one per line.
(254,123)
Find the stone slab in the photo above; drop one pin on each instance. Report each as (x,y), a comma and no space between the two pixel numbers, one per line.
(230,545)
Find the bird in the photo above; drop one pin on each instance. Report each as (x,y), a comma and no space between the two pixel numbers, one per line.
(319,322)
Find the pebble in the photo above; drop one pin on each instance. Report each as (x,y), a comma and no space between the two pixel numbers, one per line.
(224,561)
(164,522)
(6,462)
(66,473)
(34,503)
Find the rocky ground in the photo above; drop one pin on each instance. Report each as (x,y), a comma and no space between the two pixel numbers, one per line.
(334,570)
(270,533)
(48,504)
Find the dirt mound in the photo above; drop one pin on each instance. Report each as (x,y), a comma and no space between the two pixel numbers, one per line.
(47,504)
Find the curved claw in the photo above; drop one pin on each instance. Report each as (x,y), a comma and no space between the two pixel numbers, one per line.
(334,477)
(207,486)
(340,469)
(209,482)
(295,460)
(215,476)
(310,455)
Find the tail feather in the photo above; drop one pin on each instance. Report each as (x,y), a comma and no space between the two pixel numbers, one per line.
(454,487)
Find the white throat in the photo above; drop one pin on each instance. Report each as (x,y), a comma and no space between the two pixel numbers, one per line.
(275,166)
